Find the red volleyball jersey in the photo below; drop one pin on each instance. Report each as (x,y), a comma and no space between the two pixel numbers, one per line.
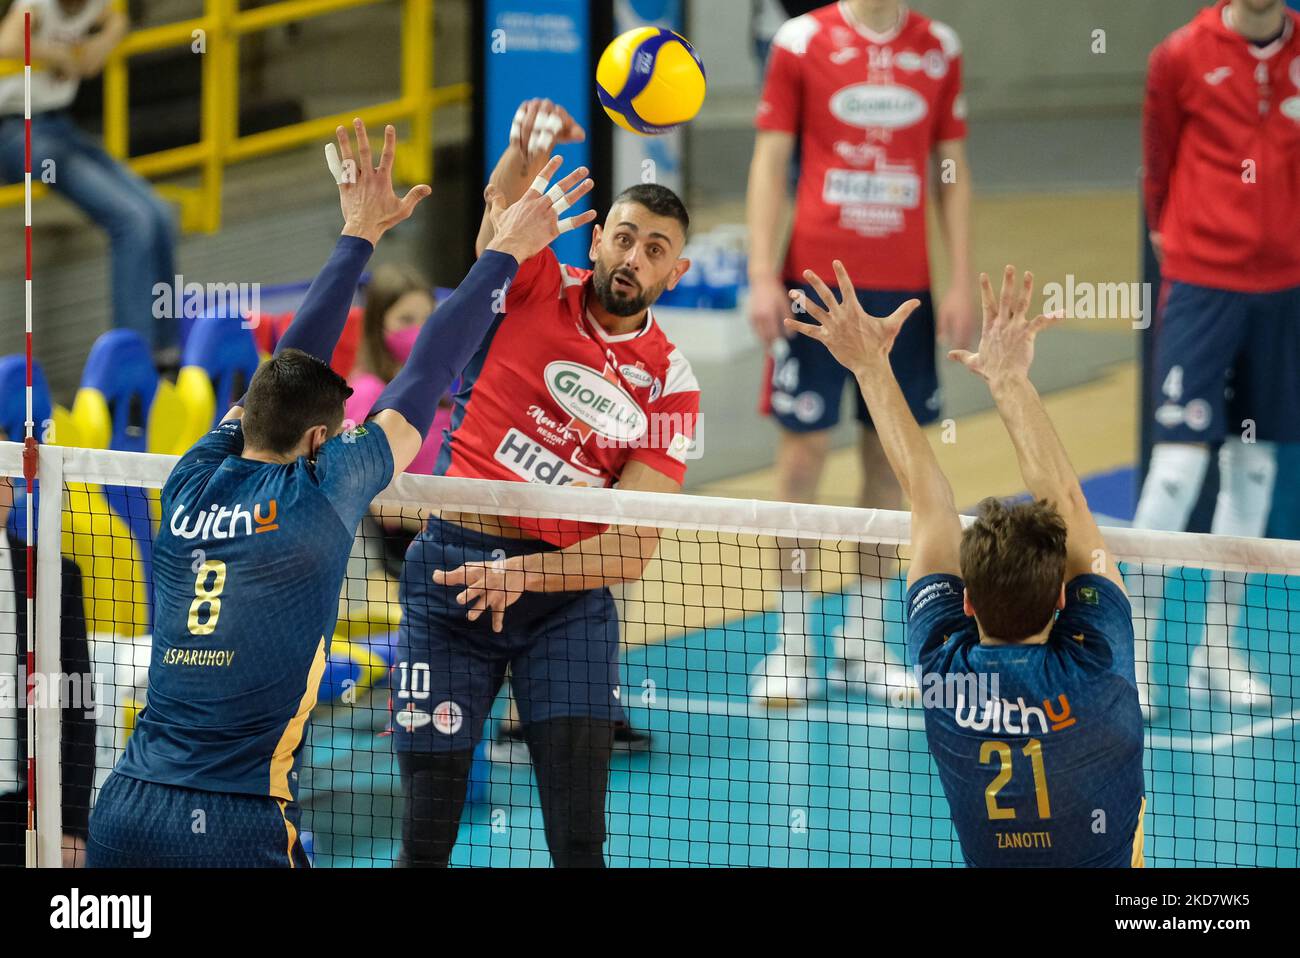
(550,397)
(1221,138)
(869,110)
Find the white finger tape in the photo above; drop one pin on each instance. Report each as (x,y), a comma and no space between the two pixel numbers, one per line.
(569,224)
(334,163)
(544,129)
(539,184)
(517,125)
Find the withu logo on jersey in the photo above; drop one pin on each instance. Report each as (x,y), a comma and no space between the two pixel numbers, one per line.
(237,521)
(998,716)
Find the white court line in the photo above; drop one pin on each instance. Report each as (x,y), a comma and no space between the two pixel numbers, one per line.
(1223,740)
(913,720)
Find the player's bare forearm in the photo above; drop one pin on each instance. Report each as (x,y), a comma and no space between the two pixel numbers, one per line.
(766,202)
(1044,463)
(954,198)
(619,555)
(909,453)
(510,178)
(94,53)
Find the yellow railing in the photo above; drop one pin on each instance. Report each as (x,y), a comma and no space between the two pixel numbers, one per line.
(215,36)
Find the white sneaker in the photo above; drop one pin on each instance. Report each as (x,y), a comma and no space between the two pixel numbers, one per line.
(863,665)
(784,680)
(1223,674)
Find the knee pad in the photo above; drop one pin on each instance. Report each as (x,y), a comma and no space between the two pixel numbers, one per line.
(434,787)
(1173,484)
(1247,472)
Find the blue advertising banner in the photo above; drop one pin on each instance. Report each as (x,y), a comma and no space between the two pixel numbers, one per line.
(539,48)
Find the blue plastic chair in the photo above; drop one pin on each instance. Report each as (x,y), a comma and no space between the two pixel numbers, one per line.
(217,365)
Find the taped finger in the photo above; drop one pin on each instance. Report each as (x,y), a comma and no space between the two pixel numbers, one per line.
(334,163)
(517,126)
(545,128)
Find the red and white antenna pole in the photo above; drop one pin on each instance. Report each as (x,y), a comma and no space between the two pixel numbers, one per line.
(29,452)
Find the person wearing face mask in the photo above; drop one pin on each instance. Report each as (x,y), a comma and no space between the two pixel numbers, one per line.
(398,301)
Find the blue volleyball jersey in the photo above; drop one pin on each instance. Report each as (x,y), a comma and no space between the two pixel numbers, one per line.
(1038,747)
(248,565)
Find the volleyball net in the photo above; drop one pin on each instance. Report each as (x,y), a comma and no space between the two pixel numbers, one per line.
(765,749)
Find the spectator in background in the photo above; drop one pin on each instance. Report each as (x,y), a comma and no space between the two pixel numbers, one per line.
(398,301)
(78,723)
(866,167)
(72,39)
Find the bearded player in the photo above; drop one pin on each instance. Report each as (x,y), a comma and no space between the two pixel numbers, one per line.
(258,521)
(575,385)
(869,93)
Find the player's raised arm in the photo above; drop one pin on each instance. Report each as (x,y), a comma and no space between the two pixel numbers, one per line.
(370,208)
(861,343)
(1006,351)
(538,126)
(449,338)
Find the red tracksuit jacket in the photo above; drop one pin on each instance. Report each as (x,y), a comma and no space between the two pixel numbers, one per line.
(1221,138)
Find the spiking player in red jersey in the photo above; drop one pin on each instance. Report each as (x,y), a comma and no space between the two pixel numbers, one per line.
(870,94)
(574,385)
(1222,188)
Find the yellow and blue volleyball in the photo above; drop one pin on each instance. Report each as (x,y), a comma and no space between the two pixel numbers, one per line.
(650,80)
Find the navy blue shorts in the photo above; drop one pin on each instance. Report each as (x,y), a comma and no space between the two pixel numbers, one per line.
(562,648)
(137,824)
(805,384)
(1225,360)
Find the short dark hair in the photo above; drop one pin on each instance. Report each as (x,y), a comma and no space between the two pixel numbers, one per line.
(659,200)
(290,394)
(1013,564)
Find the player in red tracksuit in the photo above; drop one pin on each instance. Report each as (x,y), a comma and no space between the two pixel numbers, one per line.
(1221,136)
(870,93)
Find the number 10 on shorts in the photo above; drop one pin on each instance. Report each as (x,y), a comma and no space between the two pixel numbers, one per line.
(413,680)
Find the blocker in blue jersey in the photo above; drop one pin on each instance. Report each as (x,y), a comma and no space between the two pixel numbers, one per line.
(1019,628)
(258,519)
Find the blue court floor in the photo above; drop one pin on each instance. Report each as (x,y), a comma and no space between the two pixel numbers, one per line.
(841,782)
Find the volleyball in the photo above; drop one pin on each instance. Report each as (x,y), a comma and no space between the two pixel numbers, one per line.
(650,80)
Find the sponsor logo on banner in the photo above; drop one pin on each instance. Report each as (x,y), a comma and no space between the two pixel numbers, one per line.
(851,187)
(868,105)
(597,403)
(533,462)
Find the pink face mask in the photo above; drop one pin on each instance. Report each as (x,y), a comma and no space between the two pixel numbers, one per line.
(401,342)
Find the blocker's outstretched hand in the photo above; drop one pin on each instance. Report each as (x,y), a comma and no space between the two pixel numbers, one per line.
(370,206)
(1006,346)
(527,226)
(859,341)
